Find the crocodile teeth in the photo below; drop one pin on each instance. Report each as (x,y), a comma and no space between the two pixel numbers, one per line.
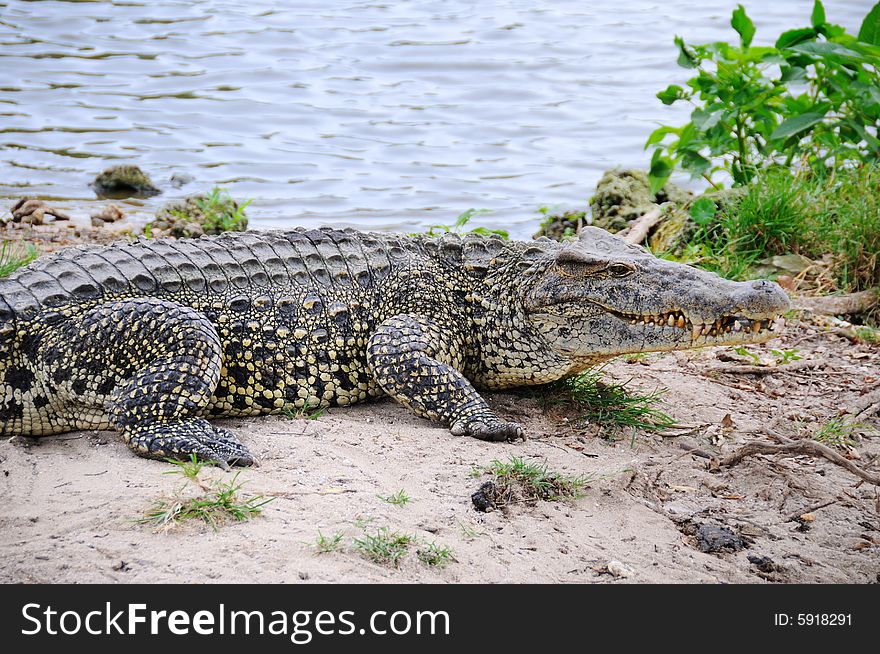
(670,321)
(736,326)
(696,331)
(756,326)
(680,324)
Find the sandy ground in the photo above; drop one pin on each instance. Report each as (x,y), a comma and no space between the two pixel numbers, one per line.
(70,503)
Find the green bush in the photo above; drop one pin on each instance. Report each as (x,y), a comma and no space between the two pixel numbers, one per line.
(813,98)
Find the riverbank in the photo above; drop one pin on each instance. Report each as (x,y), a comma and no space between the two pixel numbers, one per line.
(659,507)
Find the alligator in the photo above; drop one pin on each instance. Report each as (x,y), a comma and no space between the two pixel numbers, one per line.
(155,337)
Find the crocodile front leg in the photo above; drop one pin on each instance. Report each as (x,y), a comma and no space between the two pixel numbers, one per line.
(415,360)
(152,366)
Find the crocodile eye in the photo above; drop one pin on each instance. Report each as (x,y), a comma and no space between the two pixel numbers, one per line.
(619,270)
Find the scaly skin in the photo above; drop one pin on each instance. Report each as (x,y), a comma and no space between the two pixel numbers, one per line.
(154,337)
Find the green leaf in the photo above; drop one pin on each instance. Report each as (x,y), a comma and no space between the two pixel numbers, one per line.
(743,26)
(703,210)
(686,58)
(870,31)
(661,169)
(671,93)
(829,50)
(793,37)
(796,124)
(659,134)
(695,163)
(818,15)
(704,120)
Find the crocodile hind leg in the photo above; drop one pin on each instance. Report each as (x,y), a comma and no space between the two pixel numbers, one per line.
(152,365)
(415,361)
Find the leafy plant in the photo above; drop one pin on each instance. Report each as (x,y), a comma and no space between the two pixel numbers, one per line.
(460,222)
(813,97)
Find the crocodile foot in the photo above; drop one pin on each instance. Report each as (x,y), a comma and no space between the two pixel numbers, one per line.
(183,438)
(489,430)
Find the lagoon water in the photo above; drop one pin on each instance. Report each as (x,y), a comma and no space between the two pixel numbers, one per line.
(378,114)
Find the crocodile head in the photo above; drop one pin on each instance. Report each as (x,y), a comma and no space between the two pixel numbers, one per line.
(601,297)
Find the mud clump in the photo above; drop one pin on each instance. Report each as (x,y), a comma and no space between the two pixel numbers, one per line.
(485,498)
(124,181)
(711,539)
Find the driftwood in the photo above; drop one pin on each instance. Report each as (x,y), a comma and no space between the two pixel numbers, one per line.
(642,225)
(804,446)
(738,369)
(830,305)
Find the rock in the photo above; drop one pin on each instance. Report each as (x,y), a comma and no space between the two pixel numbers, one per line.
(619,570)
(621,197)
(181,179)
(32,211)
(108,214)
(201,214)
(124,181)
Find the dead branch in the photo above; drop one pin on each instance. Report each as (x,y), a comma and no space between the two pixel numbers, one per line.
(640,228)
(830,305)
(803,446)
(794,366)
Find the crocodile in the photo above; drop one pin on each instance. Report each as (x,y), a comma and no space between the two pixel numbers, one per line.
(155,337)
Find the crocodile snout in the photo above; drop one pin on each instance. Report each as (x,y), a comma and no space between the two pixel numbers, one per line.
(762,299)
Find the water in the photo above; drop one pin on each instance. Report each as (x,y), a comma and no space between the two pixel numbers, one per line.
(389,115)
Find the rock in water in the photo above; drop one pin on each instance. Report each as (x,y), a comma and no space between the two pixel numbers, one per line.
(124,181)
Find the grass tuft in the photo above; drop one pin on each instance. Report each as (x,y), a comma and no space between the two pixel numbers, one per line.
(14,255)
(519,480)
(384,546)
(305,412)
(326,544)
(837,432)
(219,503)
(607,404)
(438,556)
(400,498)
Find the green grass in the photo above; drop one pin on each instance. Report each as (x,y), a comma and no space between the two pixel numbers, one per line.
(14,255)
(517,479)
(868,334)
(221,211)
(614,406)
(307,413)
(400,498)
(837,432)
(218,504)
(437,556)
(803,213)
(326,544)
(384,546)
